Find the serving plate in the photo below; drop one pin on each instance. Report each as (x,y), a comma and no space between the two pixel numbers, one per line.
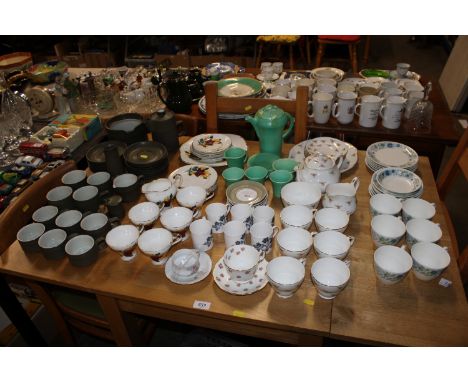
(327,72)
(237,87)
(197,175)
(391,154)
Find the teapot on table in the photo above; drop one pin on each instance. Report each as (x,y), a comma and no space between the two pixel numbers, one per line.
(320,168)
(177,92)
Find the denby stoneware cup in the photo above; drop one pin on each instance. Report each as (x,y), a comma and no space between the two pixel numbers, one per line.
(144,214)
(235,157)
(415,208)
(234,233)
(97,224)
(256,174)
(384,204)
(46,215)
(86,198)
(369,108)
(156,242)
(391,264)
(102,180)
(217,215)
(123,239)
(202,237)
(387,230)
(243,213)
(29,235)
(391,111)
(263,214)
(297,216)
(301,193)
(82,250)
(185,262)
(402,69)
(330,276)
(232,175)
(261,236)
(332,244)
(241,262)
(429,260)
(422,230)
(74,179)
(285,275)
(193,197)
(177,219)
(69,221)
(127,186)
(61,197)
(331,219)
(279,178)
(321,107)
(52,244)
(343,109)
(294,242)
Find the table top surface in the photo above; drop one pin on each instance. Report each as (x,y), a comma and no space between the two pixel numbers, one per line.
(410,313)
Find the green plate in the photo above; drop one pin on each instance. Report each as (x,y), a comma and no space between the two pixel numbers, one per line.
(262,159)
(374,73)
(236,87)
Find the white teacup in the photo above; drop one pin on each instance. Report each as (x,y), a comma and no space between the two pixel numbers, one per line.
(261,236)
(384,204)
(297,216)
(331,219)
(217,215)
(242,212)
(422,230)
(144,214)
(285,275)
(241,262)
(263,214)
(156,242)
(415,208)
(330,276)
(177,219)
(234,233)
(123,240)
(294,242)
(301,193)
(387,230)
(332,244)
(429,260)
(200,231)
(193,197)
(185,262)
(391,264)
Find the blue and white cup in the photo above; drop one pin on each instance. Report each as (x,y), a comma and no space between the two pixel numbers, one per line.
(261,235)
(234,233)
(202,238)
(217,215)
(243,213)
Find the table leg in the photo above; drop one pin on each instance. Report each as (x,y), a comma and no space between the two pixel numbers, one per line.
(116,320)
(18,316)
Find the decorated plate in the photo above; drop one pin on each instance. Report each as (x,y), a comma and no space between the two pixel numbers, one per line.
(374,73)
(392,154)
(328,72)
(236,87)
(328,146)
(197,175)
(222,280)
(221,68)
(202,273)
(246,192)
(211,143)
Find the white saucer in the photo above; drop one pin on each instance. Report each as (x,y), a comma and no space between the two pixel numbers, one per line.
(223,281)
(203,271)
(261,78)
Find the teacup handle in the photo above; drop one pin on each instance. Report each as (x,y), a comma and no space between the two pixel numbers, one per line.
(275,231)
(313,234)
(100,243)
(338,162)
(176,239)
(381,112)
(356,182)
(403,247)
(140,179)
(335,111)
(351,240)
(114,222)
(314,211)
(178,180)
(210,195)
(310,105)
(228,208)
(358,105)
(196,213)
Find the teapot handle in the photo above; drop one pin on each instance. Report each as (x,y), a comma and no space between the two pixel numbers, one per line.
(289,130)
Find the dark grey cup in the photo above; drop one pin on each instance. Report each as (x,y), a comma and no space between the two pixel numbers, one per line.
(128,186)
(61,197)
(29,235)
(46,215)
(98,224)
(102,180)
(83,250)
(87,198)
(69,221)
(52,244)
(75,179)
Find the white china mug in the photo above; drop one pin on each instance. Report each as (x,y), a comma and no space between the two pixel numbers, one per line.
(202,237)
(261,236)
(369,108)
(242,212)
(321,107)
(217,215)
(234,233)
(343,109)
(391,112)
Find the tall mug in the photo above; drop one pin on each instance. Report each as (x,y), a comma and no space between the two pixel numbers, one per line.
(321,107)
(343,110)
(391,112)
(369,110)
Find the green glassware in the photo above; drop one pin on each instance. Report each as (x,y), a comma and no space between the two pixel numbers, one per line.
(279,178)
(285,164)
(232,175)
(262,159)
(235,157)
(256,173)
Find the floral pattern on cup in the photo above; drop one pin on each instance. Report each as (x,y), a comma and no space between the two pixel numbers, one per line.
(383,240)
(218,225)
(390,277)
(264,245)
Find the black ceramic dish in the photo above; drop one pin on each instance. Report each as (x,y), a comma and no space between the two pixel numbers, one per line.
(96,156)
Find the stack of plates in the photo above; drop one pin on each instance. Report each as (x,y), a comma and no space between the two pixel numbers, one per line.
(210,148)
(148,158)
(399,182)
(391,154)
(247,192)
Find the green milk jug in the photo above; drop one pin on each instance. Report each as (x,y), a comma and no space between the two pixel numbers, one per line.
(269,124)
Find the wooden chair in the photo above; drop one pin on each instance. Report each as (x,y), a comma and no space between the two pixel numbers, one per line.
(215,105)
(290,42)
(457,163)
(351,41)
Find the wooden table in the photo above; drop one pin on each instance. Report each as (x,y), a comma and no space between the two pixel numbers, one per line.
(412,313)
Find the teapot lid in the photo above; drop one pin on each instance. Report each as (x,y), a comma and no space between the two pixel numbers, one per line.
(270,112)
(319,162)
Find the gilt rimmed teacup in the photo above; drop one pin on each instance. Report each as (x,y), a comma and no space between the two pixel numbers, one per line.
(391,264)
(297,216)
(241,262)
(285,275)
(144,214)
(177,219)
(330,276)
(123,239)
(193,197)
(294,242)
(332,244)
(156,242)
(387,230)
(416,208)
(331,219)
(384,204)
(429,260)
(422,230)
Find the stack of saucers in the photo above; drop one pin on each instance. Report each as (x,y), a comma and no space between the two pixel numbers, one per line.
(391,154)
(210,148)
(399,182)
(247,192)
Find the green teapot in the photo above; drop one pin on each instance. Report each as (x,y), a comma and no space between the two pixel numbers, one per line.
(269,124)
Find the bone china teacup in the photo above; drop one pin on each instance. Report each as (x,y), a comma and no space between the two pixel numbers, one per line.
(241,262)
(387,230)
(294,242)
(177,219)
(332,244)
(123,240)
(391,264)
(193,197)
(285,275)
(429,260)
(330,276)
(156,242)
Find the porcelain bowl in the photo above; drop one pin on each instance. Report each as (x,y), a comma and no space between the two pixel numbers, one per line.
(176,219)
(123,237)
(331,219)
(384,204)
(297,216)
(285,275)
(294,242)
(332,244)
(241,262)
(415,208)
(301,193)
(387,230)
(330,276)
(391,264)
(155,241)
(144,213)
(429,260)
(422,230)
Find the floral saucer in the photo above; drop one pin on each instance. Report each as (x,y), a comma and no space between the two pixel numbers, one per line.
(201,274)
(258,282)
